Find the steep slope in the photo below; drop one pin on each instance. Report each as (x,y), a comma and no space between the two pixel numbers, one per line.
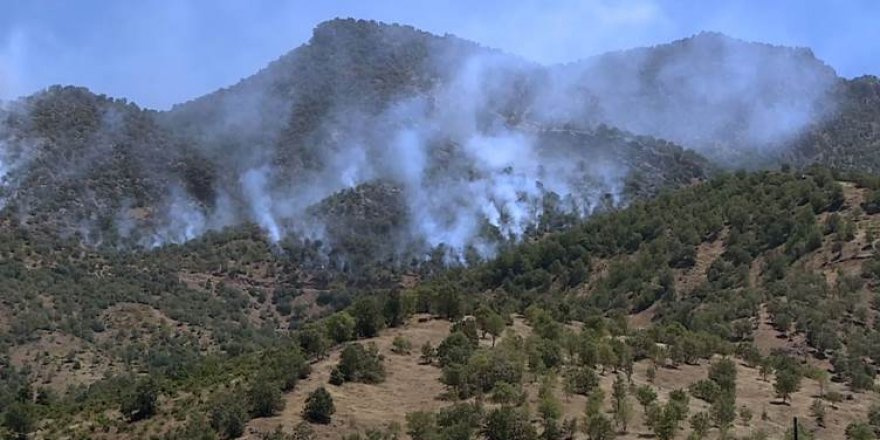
(850,137)
(766,255)
(77,160)
(436,119)
(473,139)
(289,108)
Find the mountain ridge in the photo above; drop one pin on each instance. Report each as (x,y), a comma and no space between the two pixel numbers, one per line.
(325,117)
(411,229)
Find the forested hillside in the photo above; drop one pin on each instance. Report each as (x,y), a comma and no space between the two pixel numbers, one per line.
(744,265)
(391,234)
(849,139)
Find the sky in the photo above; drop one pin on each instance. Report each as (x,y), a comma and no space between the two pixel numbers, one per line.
(161,52)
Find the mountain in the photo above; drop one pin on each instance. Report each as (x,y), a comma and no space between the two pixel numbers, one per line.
(446,237)
(738,103)
(76,160)
(364,102)
(360,104)
(849,137)
(743,265)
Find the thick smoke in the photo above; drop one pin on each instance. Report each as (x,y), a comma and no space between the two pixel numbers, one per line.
(725,98)
(460,165)
(467,153)
(254,182)
(465,137)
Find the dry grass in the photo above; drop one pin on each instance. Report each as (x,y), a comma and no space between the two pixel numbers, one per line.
(57,361)
(414,387)
(409,387)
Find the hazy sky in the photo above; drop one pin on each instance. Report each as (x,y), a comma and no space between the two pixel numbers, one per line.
(158,53)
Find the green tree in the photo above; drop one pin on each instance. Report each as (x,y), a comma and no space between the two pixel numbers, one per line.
(598,427)
(448,303)
(723,411)
(581,380)
(508,423)
(787,382)
(705,389)
(723,373)
(646,396)
(319,407)
(550,409)
(666,423)
(421,425)
(482,315)
(455,349)
(359,364)
(19,419)
(595,401)
(368,318)
(549,406)
(606,356)
(428,353)
(459,421)
(507,394)
(395,310)
(679,403)
(859,431)
(313,340)
(622,409)
(495,326)
(228,415)
(141,402)
(340,327)
(264,397)
(700,424)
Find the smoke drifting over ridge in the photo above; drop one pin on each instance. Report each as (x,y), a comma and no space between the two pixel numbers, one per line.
(467,175)
(473,145)
(718,95)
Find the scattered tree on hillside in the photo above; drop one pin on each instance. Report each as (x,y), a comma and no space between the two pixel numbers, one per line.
(319,406)
(622,409)
(787,382)
(598,427)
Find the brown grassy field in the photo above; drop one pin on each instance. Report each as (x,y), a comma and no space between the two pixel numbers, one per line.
(414,387)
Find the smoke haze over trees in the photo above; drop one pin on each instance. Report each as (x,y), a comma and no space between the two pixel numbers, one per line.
(386,140)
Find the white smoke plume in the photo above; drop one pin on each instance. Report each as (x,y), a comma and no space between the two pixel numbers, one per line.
(460,167)
(467,146)
(723,97)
